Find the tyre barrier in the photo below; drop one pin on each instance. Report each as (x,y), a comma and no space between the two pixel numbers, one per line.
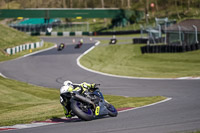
(117,32)
(140,40)
(144,40)
(169,48)
(80,33)
(29,46)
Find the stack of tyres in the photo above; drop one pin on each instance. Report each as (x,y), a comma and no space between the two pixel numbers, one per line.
(162,48)
(60,33)
(143,49)
(197,46)
(169,48)
(193,47)
(188,48)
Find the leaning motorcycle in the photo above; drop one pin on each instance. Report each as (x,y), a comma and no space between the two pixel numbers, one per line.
(89,105)
(61,47)
(78,45)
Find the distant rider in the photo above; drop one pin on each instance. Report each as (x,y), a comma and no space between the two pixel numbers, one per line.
(82,88)
(80,43)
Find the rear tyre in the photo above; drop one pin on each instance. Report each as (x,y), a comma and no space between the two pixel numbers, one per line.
(83,112)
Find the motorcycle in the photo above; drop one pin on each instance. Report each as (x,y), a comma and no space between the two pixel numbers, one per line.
(61,47)
(78,45)
(89,105)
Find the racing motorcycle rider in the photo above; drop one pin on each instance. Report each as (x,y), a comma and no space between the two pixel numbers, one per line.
(82,88)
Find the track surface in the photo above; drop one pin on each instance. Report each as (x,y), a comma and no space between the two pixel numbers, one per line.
(49,68)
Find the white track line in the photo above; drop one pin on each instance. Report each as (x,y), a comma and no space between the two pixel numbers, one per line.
(37,52)
(128,77)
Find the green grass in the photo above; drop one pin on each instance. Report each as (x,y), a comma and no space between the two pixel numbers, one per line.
(127,60)
(24,103)
(121,102)
(10,37)
(189,131)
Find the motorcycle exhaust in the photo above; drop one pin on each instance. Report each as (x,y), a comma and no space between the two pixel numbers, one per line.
(84,99)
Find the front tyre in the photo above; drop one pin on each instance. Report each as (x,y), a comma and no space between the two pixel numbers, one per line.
(81,110)
(111,110)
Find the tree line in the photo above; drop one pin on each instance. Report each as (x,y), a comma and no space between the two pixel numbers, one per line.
(155,7)
(127,4)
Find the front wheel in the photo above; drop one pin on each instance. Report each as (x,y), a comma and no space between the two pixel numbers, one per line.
(81,110)
(111,110)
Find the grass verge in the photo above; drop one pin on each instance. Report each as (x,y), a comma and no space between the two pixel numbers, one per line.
(24,103)
(127,60)
(11,37)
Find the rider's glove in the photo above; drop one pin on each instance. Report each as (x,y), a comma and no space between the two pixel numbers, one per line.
(93,85)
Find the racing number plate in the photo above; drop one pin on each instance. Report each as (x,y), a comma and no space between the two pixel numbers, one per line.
(97,110)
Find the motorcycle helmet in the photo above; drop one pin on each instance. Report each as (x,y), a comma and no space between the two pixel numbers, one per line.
(64,89)
(67,83)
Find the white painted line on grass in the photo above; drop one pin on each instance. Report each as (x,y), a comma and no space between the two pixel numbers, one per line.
(3,76)
(165,100)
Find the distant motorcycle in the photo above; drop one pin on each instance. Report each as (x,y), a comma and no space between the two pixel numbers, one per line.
(88,106)
(61,47)
(78,45)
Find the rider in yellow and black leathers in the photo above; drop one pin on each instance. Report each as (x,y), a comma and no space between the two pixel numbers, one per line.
(80,88)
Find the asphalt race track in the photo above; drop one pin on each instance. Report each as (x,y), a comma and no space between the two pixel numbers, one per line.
(51,68)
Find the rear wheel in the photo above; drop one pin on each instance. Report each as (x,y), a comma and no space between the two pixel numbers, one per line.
(82,110)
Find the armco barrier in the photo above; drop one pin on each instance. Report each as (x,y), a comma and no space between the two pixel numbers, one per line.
(169,48)
(14,50)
